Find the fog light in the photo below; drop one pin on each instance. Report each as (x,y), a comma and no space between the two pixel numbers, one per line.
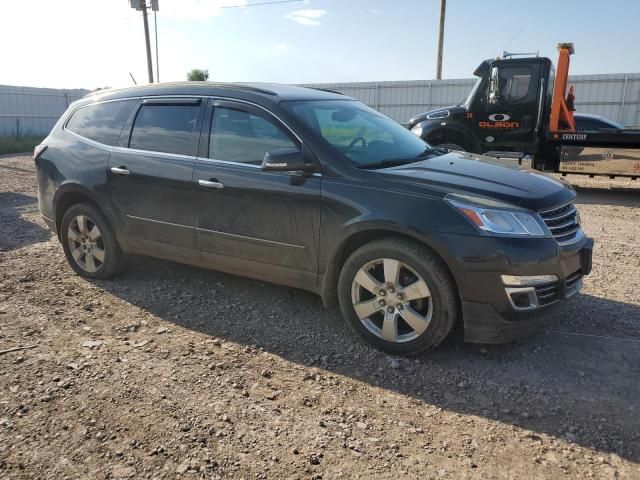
(527,280)
(522,298)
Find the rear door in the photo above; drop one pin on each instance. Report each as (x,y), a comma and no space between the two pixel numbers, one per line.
(247,217)
(150,175)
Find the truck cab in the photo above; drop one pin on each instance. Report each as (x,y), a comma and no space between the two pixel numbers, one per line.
(507,109)
(522,108)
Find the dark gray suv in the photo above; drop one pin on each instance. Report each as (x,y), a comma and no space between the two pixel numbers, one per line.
(314,190)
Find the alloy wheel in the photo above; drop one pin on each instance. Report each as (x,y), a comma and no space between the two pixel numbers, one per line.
(85,243)
(391,300)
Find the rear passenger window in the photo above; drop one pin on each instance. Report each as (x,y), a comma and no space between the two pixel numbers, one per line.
(240,136)
(101,122)
(165,128)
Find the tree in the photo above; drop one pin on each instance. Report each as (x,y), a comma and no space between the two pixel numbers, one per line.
(197,75)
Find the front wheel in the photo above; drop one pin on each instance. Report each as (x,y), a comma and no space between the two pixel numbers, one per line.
(398,296)
(453,146)
(89,242)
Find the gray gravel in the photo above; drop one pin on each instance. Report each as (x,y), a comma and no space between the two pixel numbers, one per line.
(173,371)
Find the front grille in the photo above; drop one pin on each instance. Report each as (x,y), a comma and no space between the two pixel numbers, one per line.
(573,281)
(563,222)
(547,293)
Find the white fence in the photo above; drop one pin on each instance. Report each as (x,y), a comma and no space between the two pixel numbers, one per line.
(615,96)
(33,111)
(28,111)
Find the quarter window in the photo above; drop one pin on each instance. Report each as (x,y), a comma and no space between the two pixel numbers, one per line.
(165,128)
(239,136)
(101,122)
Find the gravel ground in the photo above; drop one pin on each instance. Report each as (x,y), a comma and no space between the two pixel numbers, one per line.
(172,371)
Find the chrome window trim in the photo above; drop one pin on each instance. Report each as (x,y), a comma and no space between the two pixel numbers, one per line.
(137,97)
(250,165)
(153,153)
(93,142)
(73,112)
(113,148)
(227,162)
(261,240)
(102,146)
(247,102)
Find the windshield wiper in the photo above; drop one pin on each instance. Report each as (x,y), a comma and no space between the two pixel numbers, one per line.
(394,162)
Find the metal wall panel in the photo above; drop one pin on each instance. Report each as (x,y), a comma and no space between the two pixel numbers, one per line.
(33,111)
(28,111)
(615,96)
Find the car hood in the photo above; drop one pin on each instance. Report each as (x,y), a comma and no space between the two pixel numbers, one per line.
(458,172)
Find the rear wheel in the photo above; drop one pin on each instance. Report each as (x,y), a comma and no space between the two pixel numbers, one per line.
(398,296)
(89,242)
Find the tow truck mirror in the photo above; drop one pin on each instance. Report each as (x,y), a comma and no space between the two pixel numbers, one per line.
(494,86)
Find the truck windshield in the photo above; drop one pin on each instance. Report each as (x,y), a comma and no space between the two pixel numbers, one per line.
(365,137)
(467,101)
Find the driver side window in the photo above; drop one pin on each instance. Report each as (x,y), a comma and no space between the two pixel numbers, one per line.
(514,84)
(239,136)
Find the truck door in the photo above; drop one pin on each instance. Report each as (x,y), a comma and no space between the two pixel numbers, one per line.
(508,121)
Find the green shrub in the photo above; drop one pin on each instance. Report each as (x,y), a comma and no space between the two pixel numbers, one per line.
(18,145)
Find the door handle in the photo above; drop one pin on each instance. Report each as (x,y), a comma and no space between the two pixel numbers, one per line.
(120,170)
(210,183)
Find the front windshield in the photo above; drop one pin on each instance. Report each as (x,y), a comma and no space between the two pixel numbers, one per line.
(472,93)
(361,134)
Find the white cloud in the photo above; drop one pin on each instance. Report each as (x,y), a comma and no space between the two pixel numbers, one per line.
(309,17)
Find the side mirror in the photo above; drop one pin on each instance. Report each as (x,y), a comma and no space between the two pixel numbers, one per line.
(284,160)
(494,86)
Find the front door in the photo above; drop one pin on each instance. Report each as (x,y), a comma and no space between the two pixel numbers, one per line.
(150,175)
(265,224)
(509,124)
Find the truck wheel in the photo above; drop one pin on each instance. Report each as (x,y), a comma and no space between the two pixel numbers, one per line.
(89,242)
(397,296)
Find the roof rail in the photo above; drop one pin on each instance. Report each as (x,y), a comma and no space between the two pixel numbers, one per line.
(326,90)
(238,86)
(242,86)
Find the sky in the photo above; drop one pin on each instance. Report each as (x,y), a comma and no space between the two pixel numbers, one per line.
(98,43)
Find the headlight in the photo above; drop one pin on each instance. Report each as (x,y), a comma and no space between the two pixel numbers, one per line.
(417,130)
(496,218)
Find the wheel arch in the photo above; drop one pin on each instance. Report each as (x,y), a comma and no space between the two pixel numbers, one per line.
(329,286)
(431,129)
(70,194)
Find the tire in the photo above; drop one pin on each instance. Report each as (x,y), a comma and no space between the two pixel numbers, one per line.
(439,310)
(80,241)
(453,146)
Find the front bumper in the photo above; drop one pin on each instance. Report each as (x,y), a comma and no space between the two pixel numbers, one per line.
(478,263)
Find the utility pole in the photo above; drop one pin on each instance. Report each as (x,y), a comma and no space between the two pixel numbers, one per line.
(155,26)
(146,39)
(443,8)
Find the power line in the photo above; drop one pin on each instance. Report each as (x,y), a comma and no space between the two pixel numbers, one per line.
(274,2)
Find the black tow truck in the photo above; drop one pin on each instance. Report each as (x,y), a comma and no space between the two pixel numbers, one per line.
(520,109)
